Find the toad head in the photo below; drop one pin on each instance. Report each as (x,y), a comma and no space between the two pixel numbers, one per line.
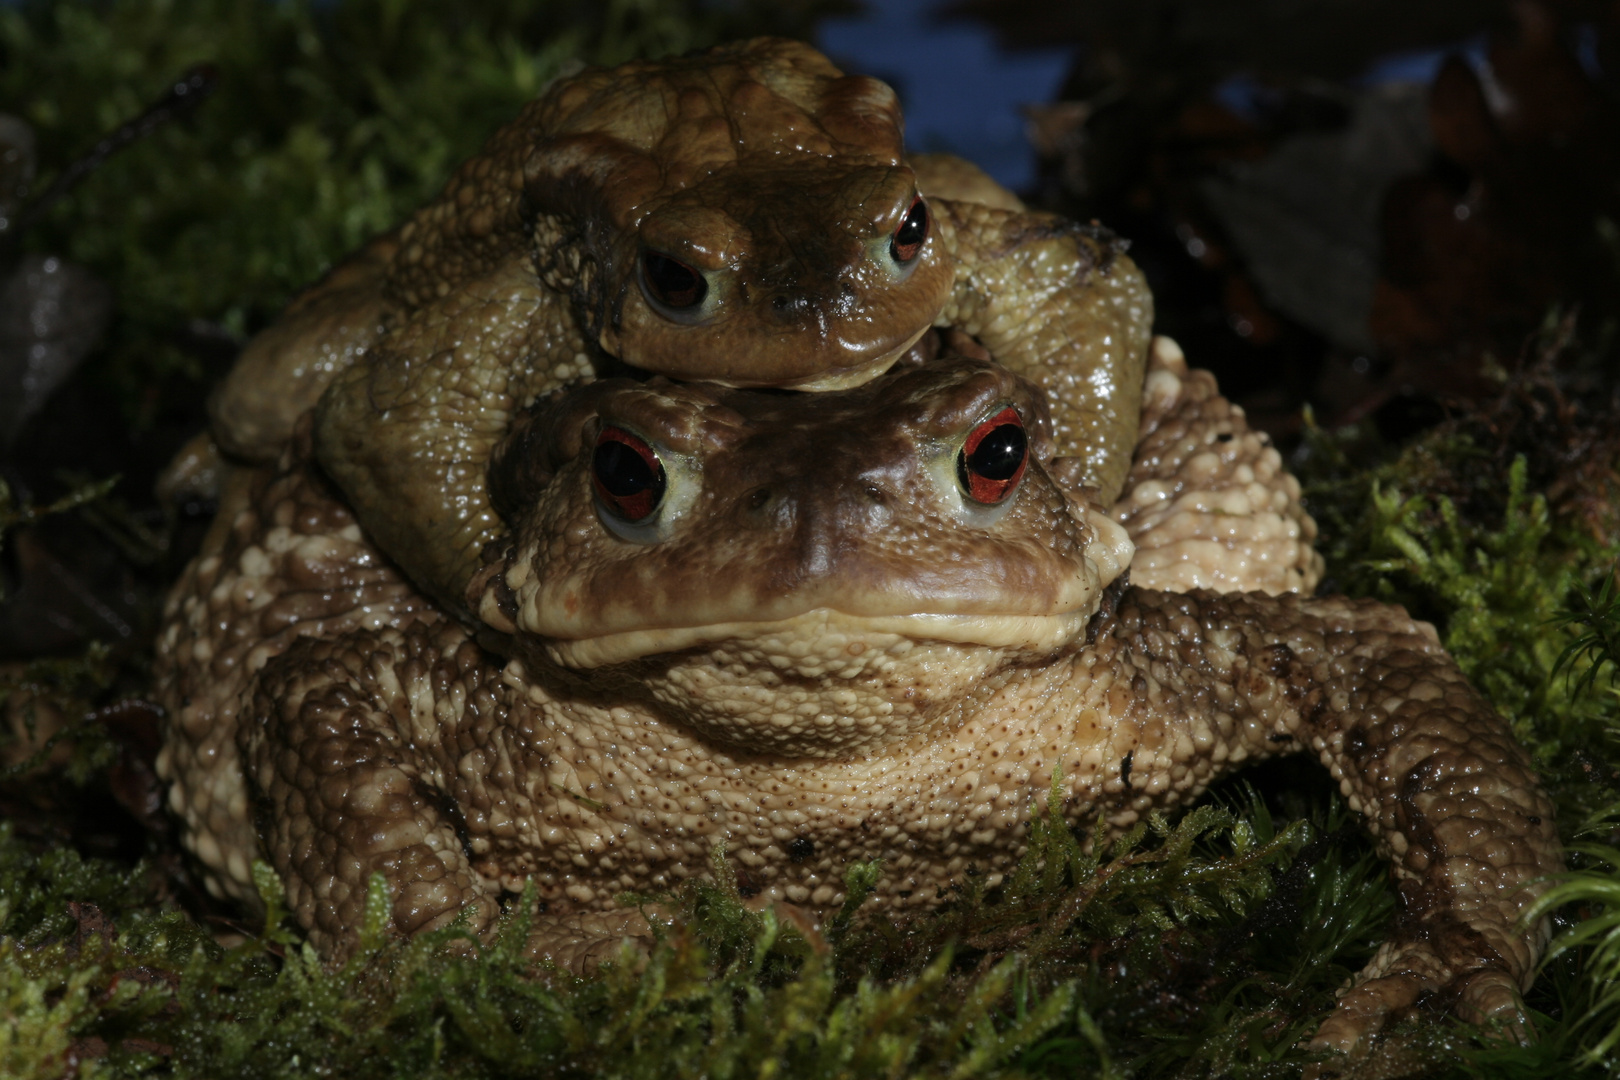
(808,575)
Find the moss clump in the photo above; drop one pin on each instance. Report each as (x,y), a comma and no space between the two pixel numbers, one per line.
(728,992)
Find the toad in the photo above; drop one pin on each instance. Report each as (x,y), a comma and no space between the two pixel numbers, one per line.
(744,215)
(877,623)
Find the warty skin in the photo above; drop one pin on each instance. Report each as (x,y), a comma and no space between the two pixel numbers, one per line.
(759,166)
(840,698)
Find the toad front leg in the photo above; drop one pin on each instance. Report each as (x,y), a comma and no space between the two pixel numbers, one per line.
(374,756)
(341,792)
(1443,787)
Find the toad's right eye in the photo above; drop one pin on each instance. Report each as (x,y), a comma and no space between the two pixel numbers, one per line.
(670,283)
(627,475)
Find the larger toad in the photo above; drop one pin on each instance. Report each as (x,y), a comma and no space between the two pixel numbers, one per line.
(744,215)
(866,624)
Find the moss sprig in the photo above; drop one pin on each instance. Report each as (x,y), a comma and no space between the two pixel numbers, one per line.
(17,512)
(1597,650)
(729,992)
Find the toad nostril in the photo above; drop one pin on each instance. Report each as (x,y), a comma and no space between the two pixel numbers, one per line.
(758,499)
(875,494)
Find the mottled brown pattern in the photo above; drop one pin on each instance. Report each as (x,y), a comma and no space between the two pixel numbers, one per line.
(822,500)
(283,561)
(377,737)
(758,163)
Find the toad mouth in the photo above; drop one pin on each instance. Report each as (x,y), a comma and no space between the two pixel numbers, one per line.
(859,375)
(828,628)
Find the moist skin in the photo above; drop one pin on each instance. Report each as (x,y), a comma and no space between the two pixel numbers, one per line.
(814,711)
(758,166)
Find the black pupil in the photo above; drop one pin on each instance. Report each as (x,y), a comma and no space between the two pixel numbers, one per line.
(999,453)
(913,230)
(623,472)
(674,283)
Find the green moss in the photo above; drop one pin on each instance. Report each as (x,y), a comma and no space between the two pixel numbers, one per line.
(1499,582)
(17,513)
(728,992)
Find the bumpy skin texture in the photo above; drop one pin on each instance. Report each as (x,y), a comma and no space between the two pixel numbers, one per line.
(283,561)
(759,165)
(260,583)
(915,717)
(1207,502)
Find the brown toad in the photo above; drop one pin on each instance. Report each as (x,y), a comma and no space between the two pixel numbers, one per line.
(866,624)
(744,215)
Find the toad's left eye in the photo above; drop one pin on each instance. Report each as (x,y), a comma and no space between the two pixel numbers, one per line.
(993,459)
(908,238)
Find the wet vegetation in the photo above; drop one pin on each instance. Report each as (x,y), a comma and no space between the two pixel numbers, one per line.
(1208,944)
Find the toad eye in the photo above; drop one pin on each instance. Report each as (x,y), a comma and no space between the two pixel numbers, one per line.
(993,459)
(627,475)
(670,283)
(908,239)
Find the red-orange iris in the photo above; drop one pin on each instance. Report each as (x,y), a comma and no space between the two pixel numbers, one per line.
(627,475)
(911,233)
(994,457)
